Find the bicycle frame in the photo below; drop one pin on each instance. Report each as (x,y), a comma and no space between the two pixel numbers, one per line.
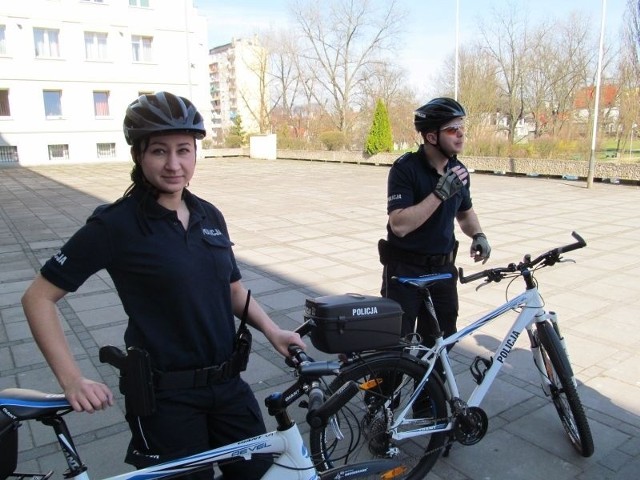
(532,311)
(293,456)
(292,460)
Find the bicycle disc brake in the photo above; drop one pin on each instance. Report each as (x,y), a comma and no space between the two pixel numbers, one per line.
(471,426)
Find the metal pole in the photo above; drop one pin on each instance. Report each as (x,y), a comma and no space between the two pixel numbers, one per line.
(457,61)
(592,158)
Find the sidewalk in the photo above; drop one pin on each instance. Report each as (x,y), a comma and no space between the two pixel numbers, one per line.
(304,229)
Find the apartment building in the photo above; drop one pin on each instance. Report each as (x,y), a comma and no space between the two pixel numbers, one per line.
(238,82)
(69,68)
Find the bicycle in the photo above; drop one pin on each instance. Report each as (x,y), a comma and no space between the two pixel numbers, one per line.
(285,445)
(403,408)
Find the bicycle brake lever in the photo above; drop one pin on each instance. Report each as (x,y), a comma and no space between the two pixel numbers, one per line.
(566,260)
(483,284)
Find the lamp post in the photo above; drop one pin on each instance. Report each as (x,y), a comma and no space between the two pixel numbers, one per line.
(592,158)
(457,61)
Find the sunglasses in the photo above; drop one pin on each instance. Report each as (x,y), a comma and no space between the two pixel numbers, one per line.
(453,129)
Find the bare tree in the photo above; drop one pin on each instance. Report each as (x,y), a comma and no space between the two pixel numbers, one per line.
(388,83)
(256,100)
(560,64)
(629,77)
(505,41)
(284,70)
(341,39)
(479,89)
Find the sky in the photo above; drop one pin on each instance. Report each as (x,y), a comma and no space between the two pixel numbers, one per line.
(430,29)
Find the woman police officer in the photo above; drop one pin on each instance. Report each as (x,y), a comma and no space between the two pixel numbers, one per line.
(171,260)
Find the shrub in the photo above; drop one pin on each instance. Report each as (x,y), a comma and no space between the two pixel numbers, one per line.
(380,138)
(233,141)
(333,140)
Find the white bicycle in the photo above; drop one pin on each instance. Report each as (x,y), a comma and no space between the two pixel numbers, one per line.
(284,446)
(403,408)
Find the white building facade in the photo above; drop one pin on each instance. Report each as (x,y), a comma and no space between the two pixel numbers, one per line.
(69,68)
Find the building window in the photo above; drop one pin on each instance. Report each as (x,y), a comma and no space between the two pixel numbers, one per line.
(106,150)
(141,48)
(3,41)
(139,3)
(95,45)
(59,152)
(5,109)
(101,104)
(46,40)
(8,154)
(52,103)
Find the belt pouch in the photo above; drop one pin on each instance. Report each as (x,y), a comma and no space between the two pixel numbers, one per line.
(136,383)
(384,250)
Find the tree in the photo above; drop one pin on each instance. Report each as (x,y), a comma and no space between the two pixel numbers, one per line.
(629,77)
(380,138)
(236,136)
(388,83)
(255,94)
(506,42)
(340,39)
(478,88)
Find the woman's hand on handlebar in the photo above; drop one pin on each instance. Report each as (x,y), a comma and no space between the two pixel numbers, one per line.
(281,339)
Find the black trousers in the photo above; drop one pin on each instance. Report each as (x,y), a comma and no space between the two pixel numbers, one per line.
(193,420)
(443,293)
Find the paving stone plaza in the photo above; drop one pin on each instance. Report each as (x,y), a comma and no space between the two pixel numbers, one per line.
(303,229)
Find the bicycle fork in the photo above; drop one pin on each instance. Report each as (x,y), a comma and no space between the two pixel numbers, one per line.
(538,358)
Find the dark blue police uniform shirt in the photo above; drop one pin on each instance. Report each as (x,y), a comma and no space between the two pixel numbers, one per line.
(174,284)
(411,179)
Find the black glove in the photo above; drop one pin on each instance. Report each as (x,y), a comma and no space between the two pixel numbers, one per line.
(448,185)
(480,248)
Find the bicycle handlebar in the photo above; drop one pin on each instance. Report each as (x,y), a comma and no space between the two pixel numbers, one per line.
(546,259)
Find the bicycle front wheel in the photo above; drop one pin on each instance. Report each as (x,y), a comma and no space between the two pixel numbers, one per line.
(360,430)
(563,392)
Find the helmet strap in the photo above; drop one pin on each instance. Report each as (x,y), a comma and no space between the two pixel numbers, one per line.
(437,145)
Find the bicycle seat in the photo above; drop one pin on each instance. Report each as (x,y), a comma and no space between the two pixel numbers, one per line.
(423,280)
(25,404)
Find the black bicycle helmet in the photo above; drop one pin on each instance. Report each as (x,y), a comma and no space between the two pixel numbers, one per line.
(162,112)
(436,113)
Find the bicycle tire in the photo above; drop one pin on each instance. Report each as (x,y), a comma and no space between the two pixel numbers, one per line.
(363,420)
(563,392)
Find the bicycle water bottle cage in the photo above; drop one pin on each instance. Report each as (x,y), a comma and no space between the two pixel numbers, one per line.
(479,368)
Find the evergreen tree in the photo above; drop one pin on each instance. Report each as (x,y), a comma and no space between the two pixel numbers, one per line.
(380,138)
(237,128)
(236,136)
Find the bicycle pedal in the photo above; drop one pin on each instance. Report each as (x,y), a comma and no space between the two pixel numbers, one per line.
(479,367)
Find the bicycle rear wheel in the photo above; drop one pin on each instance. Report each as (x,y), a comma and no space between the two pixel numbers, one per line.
(359,431)
(563,392)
